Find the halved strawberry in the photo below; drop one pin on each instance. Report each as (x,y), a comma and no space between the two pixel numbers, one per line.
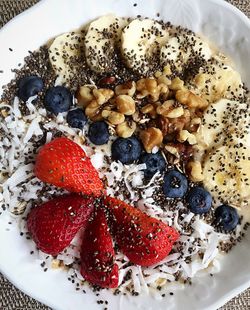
(97,254)
(143,239)
(55,223)
(63,163)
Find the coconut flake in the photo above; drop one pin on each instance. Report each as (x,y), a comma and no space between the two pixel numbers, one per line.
(20,175)
(97,160)
(34,129)
(211,250)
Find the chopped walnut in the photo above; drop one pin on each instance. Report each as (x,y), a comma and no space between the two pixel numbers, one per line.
(171,126)
(128,88)
(150,109)
(125,104)
(114,118)
(191,100)
(126,129)
(194,171)
(148,87)
(151,137)
(176,112)
(55,264)
(176,84)
(174,152)
(164,80)
(167,70)
(163,124)
(180,151)
(165,108)
(194,124)
(94,111)
(103,95)
(136,117)
(84,96)
(184,136)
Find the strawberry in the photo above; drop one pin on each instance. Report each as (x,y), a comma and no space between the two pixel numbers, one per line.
(55,223)
(143,239)
(63,163)
(97,254)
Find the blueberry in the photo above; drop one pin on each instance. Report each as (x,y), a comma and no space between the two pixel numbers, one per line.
(29,86)
(58,99)
(154,163)
(126,150)
(98,133)
(227,217)
(76,118)
(199,200)
(175,184)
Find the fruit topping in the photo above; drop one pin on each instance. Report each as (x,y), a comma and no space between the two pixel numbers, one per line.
(143,239)
(76,118)
(154,162)
(55,223)
(141,42)
(29,86)
(98,133)
(227,217)
(175,184)
(97,253)
(199,200)
(58,99)
(126,150)
(63,163)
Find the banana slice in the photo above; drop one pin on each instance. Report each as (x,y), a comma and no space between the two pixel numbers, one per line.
(227,175)
(223,121)
(63,51)
(100,41)
(218,81)
(141,44)
(183,48)
(225,133)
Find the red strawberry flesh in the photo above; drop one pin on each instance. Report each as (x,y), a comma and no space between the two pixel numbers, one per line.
(143,239)
(54,224)
(63,163)
(97,253)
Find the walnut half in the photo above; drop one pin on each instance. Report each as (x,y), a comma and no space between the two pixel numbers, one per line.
(151,137)
(126,129)
(191,100)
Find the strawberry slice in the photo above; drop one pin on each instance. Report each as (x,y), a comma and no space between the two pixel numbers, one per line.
(63,163)
(97,254)
(55,223)
(143,239)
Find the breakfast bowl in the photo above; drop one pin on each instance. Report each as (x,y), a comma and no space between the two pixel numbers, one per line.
(224,29)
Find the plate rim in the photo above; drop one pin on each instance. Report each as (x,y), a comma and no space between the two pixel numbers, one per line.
(226,297)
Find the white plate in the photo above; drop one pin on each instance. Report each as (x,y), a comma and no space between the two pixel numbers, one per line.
(222,24)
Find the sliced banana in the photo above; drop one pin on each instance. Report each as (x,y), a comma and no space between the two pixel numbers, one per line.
(223,121)
(141,41)
(218,81)
(64,49)
(226,173)
(225,134)
(100,41)
(183,48)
